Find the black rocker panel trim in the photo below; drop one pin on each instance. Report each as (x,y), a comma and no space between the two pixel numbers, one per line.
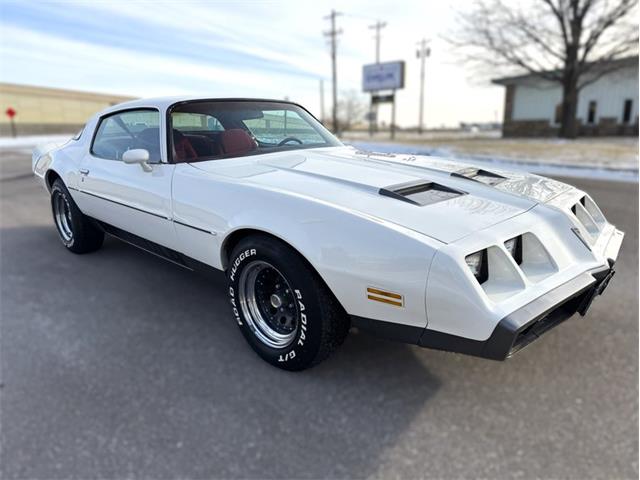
(156,249)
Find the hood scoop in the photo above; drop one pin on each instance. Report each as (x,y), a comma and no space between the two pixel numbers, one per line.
(479,175)
(420,193)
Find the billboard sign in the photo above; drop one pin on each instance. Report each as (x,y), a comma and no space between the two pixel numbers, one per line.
(383,76)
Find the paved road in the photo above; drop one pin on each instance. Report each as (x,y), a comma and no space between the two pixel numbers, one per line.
(119,365)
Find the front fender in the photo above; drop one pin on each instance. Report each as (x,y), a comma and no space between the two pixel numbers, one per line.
(350,251)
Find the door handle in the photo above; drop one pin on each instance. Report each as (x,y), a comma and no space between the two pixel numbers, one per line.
(84,171)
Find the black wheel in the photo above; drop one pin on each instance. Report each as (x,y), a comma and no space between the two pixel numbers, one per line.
(77,232)
(283,308)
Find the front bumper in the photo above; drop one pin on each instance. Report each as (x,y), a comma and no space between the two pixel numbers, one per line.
(522,326)
(528,323)
(512,333)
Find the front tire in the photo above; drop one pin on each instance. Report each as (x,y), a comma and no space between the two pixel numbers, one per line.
(78,233)
(284,310)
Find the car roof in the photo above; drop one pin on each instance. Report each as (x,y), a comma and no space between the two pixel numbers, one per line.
(164,103)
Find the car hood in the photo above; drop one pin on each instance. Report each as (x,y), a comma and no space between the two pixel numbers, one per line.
(366,182)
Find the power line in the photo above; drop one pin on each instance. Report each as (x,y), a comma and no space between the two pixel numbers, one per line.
(422,53)
(333,34)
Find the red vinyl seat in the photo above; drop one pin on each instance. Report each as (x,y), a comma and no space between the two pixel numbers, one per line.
(184,149)
(237,141)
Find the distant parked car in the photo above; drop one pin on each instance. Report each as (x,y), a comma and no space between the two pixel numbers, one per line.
(316,237)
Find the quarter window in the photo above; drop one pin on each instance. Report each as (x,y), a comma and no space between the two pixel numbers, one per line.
(128,130)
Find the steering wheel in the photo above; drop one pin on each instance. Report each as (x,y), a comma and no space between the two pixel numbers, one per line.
(289,139)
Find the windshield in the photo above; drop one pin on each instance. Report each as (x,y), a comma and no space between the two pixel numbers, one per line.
(206,130)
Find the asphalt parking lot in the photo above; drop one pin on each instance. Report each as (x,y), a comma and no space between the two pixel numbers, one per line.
(120,365)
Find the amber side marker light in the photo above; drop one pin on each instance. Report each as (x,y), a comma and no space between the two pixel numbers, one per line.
(383,296)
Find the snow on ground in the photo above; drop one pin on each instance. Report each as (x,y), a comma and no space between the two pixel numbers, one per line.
(605,163)
(563,166)
(31,141)
(596,152)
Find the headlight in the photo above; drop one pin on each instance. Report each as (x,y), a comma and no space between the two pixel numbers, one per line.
(477,263)
(514,247)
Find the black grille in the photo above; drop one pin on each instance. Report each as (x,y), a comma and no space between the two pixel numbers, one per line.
(552,319)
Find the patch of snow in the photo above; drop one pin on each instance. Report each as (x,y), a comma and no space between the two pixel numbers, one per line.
(31,141)
(626,173)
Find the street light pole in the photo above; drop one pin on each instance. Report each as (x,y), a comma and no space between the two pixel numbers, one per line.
(422,53)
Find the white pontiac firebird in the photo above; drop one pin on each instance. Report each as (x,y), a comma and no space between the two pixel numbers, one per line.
(316,237)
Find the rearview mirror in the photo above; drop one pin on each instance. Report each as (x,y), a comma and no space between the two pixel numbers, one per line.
(137,155)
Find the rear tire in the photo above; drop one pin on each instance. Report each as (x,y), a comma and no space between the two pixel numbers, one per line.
(284,310)
(78,233)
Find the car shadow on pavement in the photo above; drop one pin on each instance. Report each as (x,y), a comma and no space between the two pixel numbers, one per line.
(118,364)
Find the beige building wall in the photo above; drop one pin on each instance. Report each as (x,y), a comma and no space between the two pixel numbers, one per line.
(43,110)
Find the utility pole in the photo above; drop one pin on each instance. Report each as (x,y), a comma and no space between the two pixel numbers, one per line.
(333,34)
(373,109)
(422,53)
(377,27)
(322,119)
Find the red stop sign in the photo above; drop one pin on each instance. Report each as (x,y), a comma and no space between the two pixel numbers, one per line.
(10,112)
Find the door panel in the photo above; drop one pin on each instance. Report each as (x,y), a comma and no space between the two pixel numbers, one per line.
(129,198)
(124,195)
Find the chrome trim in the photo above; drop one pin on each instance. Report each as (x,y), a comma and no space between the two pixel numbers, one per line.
(145,211)
(62,217)
(121,204)
(254,314)
(195,228)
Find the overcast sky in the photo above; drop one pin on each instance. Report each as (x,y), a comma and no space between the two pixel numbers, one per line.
(241,48)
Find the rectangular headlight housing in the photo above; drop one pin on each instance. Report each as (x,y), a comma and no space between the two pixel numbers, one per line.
(514,247)
(477,263)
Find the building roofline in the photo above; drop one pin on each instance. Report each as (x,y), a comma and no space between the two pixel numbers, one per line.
(515,79)
(51,91)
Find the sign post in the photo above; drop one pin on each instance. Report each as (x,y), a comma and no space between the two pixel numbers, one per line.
(10,112)
(384,76)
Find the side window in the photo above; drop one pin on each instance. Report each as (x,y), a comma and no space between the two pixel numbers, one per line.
(124,131)
(276,125)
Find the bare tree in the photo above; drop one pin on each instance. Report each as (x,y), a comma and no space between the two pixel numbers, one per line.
(351,109)
(570,42)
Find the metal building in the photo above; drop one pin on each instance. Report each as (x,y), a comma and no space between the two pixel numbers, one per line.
(41,110)
(608,106)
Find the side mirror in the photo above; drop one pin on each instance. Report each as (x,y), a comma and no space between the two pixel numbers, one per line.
(137,155)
